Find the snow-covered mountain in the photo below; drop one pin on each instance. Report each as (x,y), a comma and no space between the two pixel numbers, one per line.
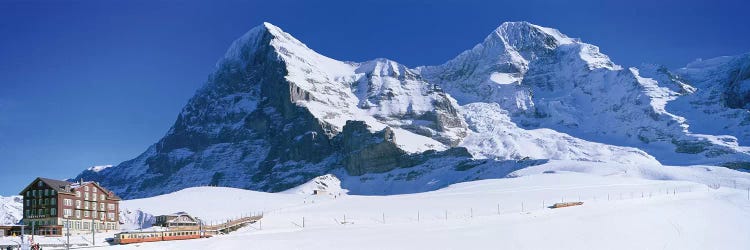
(544,79)
(276,114)
(11,210)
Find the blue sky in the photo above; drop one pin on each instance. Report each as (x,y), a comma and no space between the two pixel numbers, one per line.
(87,83)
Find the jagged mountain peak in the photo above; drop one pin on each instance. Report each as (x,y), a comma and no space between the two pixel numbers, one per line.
(384,67)
(258,36)
(524,35)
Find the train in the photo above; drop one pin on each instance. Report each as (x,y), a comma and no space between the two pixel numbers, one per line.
(154,236)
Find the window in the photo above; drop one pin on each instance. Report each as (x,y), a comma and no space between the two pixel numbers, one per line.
(68,202)
(101,206)
(111,216)
(67,212)
(93,196)
(101,196)
(86,204)
(78,194)
(53,201)
(95,190)
(111,206)
(28,203)
(94,214)
(39,184)
(28,193)
(93,206)
(86,196)
(86,188)
(78,214)
(27,214)
(53,212)
(86,214)
(78,203)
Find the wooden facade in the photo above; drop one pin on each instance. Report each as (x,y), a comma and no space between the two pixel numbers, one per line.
(51,205)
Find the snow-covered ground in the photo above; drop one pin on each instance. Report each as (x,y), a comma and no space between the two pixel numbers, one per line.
(624,208)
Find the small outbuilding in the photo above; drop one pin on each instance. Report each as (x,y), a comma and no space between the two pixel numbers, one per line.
(179,219)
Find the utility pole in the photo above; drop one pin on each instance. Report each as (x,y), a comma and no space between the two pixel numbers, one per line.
(200,227)
(67,227)
(23,232)
(93,231)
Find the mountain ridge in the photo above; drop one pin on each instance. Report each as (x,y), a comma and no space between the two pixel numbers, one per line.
(276,114)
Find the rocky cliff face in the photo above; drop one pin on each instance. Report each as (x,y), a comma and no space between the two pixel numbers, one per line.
(267,120)
(276,114)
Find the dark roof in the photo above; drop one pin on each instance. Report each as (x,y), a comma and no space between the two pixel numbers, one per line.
(65,186)
(58,185)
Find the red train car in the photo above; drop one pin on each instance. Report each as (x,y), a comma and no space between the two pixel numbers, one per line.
(139,237)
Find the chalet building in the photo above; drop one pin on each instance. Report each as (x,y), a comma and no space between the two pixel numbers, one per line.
(180,219)
(51,205)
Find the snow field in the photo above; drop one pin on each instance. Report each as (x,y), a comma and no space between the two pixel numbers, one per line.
(639,214)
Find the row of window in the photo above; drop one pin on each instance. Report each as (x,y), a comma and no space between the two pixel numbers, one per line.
(156,235)
(41,202)
(40,193)
(41,222)
(88,214)
(82,225)
(68,213)
(88,205)
(40,212)
(93,196)
(86,188)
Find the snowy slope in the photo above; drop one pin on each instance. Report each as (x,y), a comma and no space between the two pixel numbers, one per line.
(512,212)
(494,135)
(329,183)
(721,94)
(11,210)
